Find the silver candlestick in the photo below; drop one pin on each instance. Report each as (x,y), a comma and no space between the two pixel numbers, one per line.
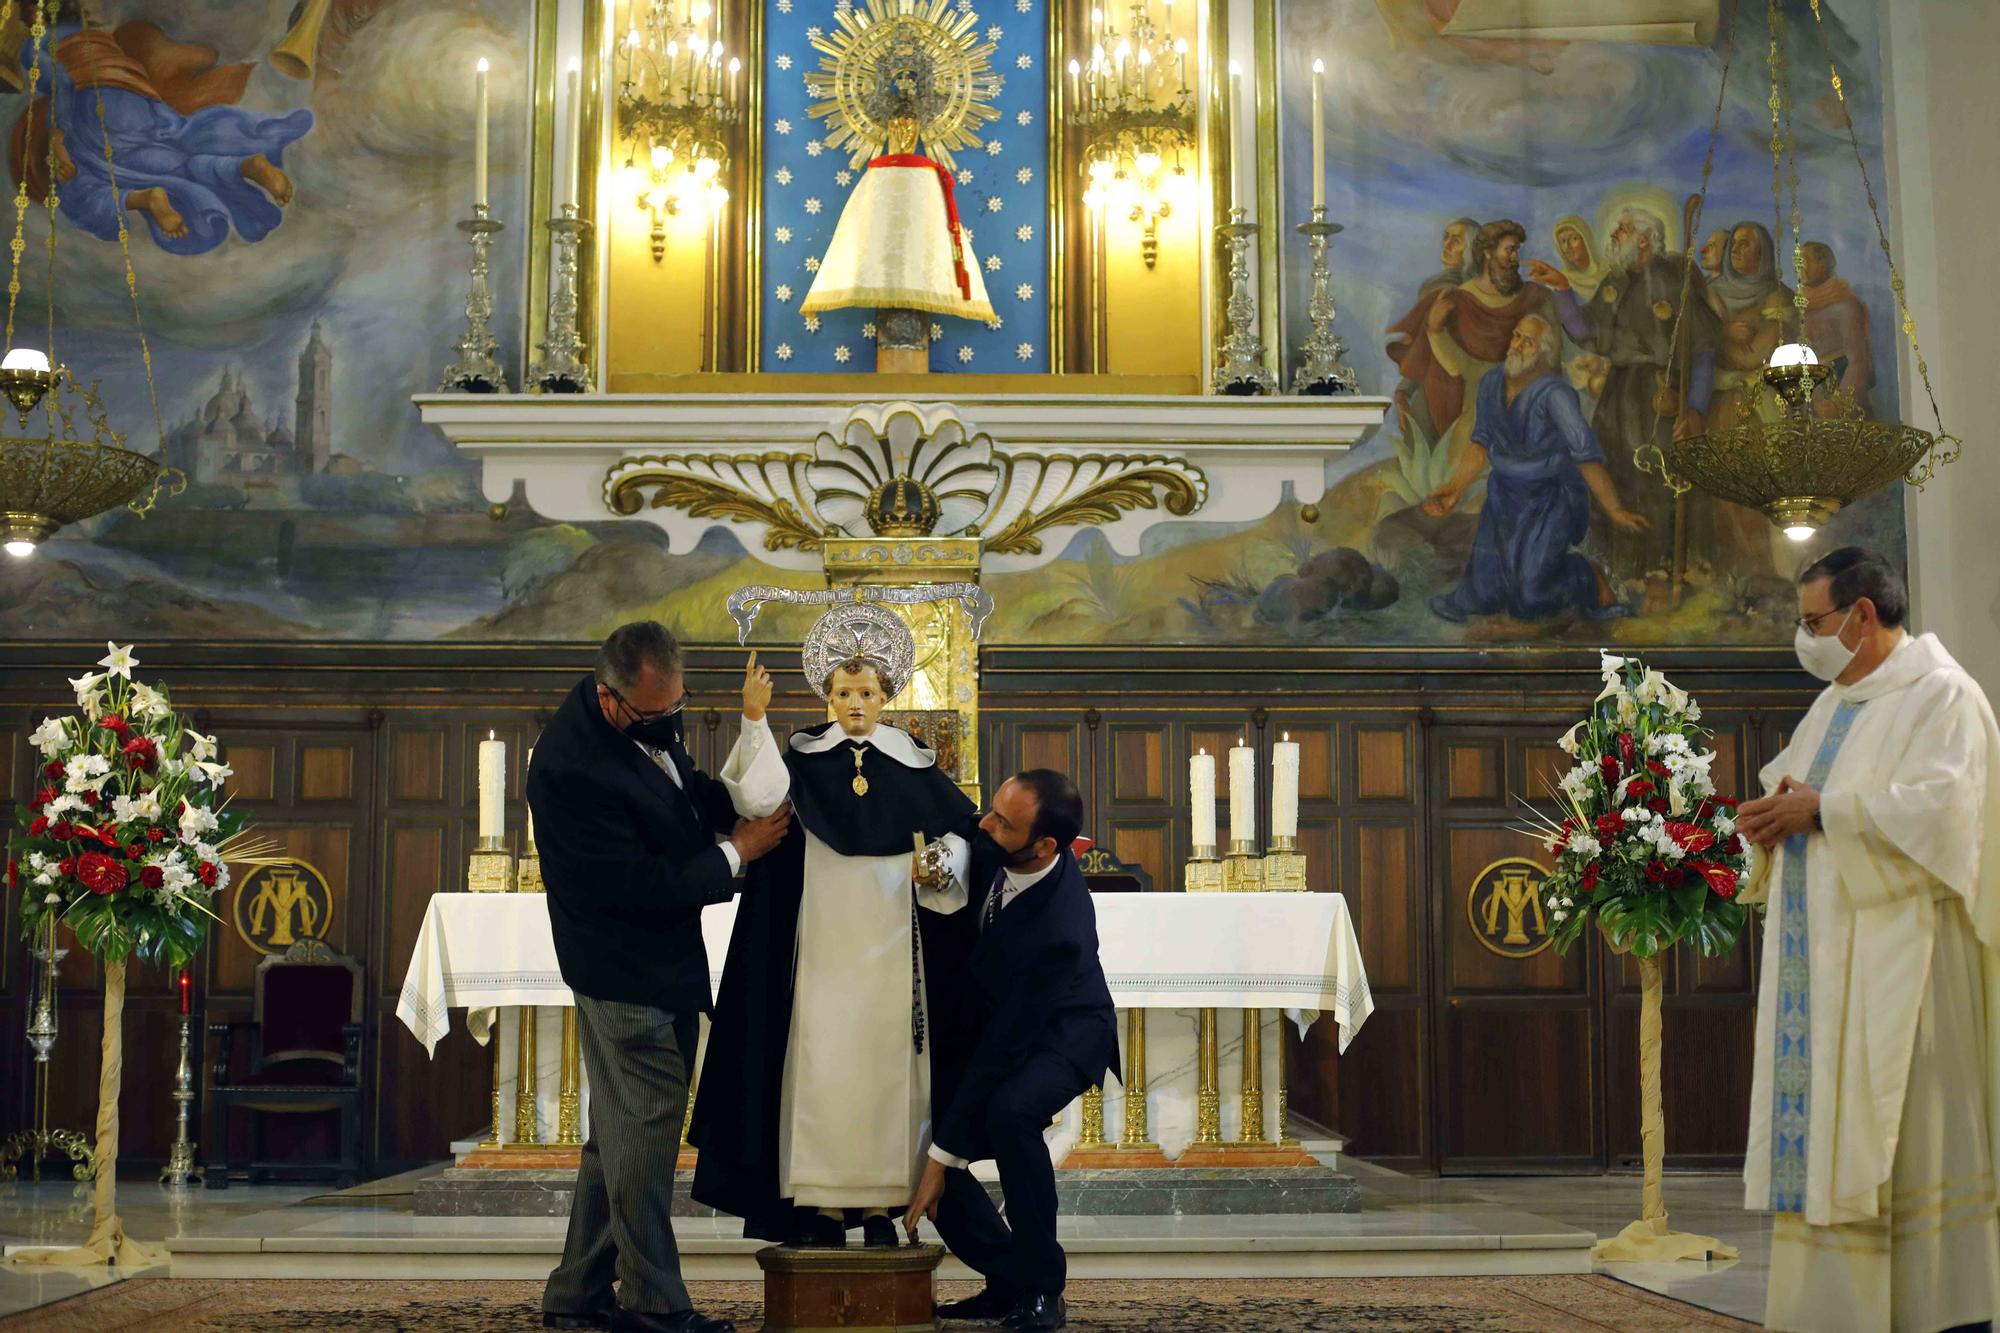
(180,1168)
(35,1142)
(1241,371)
(561,367)
(1320,372)
(477,369)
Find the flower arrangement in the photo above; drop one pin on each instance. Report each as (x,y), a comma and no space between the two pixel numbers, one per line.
(126,839)
(1645,844)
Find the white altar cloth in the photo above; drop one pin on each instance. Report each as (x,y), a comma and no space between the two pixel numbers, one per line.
(1294,952)
(1290,951)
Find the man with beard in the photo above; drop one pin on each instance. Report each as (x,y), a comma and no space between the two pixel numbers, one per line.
(1630,322)
(1466,328)
(1453,253)
(1837,323)
(1757,314)
(1545,467)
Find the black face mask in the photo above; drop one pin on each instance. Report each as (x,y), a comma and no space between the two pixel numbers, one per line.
(661,733)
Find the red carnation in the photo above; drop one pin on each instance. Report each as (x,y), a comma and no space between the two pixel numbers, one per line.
(1658,805)
(1657,769)
(1656,870)
(66,867)
(1721,879)
(156,835)
(99,873)
(1628,749)
(1608,765)
(141,752)
(43,797)
(1609,827)
(52,769)
(1733,847)
(1589,881)
(1705,811)
(62,830)
(1639,787)
(207,873)
(88,797)
(39,827)
(152,876)
(135,851)
(114,723)
(1691,837)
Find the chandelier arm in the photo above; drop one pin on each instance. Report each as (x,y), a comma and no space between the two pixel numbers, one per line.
(19,244)
(1882,238)
(1774,61)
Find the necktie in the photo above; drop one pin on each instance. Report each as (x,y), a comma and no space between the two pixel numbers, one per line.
(993,900)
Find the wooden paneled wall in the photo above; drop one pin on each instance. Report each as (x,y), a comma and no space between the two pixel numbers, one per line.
(1413,770)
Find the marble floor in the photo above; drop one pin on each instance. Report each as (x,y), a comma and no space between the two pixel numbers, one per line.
(1408,1224)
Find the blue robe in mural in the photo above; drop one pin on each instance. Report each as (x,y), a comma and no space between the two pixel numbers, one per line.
(1524,562)
(169,128)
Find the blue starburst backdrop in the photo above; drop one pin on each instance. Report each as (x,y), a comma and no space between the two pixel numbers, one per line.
(1002,202)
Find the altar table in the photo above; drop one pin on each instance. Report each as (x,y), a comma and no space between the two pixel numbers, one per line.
(1292,952)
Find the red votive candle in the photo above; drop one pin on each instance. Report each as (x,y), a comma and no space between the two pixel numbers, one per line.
(186,988)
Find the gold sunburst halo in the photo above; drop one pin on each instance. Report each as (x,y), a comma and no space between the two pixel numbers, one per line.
(941,45)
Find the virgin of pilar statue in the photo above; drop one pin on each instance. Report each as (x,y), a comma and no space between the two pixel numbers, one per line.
(899,246)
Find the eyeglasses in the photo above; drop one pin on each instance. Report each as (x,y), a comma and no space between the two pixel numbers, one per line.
(644,717)
(1810,624)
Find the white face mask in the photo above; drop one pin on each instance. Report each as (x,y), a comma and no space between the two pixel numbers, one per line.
(1824,655)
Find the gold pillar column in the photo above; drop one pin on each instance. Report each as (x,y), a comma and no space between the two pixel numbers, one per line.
(1091,1133)
(1136,1135)
(1250,1133)
(1208,1087)
(525,1131)
(569,1123)
(1285,1139)
(499,1135)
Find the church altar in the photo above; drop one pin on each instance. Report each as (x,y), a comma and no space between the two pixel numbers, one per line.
(1295,952)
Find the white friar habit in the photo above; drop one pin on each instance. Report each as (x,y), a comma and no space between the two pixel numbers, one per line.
(1873,1106)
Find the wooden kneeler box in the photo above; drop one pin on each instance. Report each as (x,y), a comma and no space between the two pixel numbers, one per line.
(878,1290)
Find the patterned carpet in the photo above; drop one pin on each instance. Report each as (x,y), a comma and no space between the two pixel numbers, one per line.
(1353,1305)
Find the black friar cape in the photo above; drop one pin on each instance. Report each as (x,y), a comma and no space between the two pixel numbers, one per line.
(737,1105)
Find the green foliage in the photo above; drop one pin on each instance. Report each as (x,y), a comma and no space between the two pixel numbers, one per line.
(1422,465)
(538,555)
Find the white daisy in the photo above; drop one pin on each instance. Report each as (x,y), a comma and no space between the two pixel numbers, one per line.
(964,355)
(1024,232)
(1024,61)
(1026,351)
(784,351)
(841,354)
(993,263)
(782,126)
(1024,292)
(812,323)
(783,62)
(994,147)
(783,176)
(843,178)
(1024,117)
(1024,175)
(993,204)
(783,292)
(812,204)
(783,235)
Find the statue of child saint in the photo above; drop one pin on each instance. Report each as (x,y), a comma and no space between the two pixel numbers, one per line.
(815,1098)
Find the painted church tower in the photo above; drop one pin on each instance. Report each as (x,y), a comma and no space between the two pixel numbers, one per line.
(314,435)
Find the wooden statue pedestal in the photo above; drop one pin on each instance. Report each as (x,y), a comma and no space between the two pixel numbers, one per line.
(855,1287)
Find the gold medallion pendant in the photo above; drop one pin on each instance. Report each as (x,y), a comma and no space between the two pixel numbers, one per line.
(1663,310)
(860,783)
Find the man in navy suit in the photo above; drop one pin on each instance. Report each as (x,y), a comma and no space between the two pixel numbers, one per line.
(635,841)
(1045,1032)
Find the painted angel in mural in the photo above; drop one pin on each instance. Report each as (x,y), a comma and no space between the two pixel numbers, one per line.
(189,160)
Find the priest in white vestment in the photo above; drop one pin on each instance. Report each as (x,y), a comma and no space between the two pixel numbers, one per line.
(1873,1110)
(828,995)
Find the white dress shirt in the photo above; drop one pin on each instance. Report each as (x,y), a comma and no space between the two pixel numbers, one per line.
(1016,883)
(665,763)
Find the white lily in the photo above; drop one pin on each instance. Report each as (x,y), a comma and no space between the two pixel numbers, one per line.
(1570,743)
(1650,686)
(217,774)
(200,747)
(119,661)
(147,701)
(1607,665)
(1677,803)
(88,697)
(1628,709)
(49,737)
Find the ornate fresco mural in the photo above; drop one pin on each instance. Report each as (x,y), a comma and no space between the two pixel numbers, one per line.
(291,225)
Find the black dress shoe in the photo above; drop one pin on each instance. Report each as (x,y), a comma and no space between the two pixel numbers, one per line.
(598,1318)
(878,1233)
(1038,1312)
(814,1231)
(680,1321)
(991,1304)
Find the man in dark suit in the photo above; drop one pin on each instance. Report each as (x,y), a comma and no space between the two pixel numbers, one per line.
(634,843)
(1046,1032)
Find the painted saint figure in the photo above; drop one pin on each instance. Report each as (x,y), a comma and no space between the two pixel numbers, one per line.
(1545,466)
(1837,324)
(188,159)
(1454,253)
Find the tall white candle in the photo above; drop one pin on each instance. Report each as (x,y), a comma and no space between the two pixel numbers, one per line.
(575,129)
(1242,794)
(1235,132)
(1201,784)
(1319,142)
(1285,788)
(492,788)
(479,132)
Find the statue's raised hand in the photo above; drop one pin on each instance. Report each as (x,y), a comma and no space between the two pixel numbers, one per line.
(756,690)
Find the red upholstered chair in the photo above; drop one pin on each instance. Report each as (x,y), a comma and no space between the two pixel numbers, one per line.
(300,1053)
